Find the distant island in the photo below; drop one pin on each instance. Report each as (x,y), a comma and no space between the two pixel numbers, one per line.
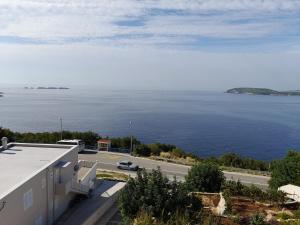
(53,88)
(1,94)
(262,91)
(48,88)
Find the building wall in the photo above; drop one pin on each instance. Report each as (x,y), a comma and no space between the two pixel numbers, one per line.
(67,174)
(32,202)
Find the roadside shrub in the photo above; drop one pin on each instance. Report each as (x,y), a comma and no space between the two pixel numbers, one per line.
(155,149)
(142,150)
(177,152)
(205,177)
(286,171)
(234,160)
(157,196)
(124,142)
(166,155)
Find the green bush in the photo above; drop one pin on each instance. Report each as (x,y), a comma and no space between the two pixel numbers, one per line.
(145,218)
(234,160)
(155,149)
(142,150)
(286,171)
(233,188)
(177,152)
(157,196)
(124,142)
(205,177)
(90,138)
(257,220)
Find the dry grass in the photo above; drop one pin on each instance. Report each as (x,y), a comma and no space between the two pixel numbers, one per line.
(110,175)
(169,157)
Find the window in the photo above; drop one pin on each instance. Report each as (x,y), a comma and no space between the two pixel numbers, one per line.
(28,199)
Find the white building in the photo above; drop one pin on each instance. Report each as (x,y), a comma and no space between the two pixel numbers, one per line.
(38,181)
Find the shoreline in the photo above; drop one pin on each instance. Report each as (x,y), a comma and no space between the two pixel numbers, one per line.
(156,151)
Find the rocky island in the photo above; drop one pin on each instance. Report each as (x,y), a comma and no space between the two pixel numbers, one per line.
(48,88)
(53,88)
(262,91)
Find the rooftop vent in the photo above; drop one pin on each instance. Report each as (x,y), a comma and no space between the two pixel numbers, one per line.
(4,142)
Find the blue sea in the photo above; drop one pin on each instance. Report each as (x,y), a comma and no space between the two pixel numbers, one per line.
(204,123)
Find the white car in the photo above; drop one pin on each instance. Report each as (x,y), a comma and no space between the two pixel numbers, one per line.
(127,165)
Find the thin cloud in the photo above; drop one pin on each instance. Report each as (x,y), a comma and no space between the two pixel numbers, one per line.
(148,22)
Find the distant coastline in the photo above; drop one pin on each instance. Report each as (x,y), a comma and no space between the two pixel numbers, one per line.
(262,91)
(1,94)
(48,88)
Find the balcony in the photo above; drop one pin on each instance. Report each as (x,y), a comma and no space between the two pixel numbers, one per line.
(86,177)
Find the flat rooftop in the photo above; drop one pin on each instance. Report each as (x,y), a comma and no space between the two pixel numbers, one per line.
(21,162)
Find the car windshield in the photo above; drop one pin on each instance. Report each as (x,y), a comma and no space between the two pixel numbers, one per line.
(129,163)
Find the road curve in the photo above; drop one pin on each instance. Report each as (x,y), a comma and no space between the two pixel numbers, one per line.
(108,161)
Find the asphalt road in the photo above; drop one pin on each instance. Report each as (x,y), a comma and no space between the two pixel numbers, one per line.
(108,161)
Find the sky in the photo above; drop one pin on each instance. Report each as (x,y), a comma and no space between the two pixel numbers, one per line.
(151,44)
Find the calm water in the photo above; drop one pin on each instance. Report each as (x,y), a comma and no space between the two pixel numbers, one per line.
(205,123)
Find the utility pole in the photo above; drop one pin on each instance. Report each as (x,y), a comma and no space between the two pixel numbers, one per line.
(61,128)
(130,126)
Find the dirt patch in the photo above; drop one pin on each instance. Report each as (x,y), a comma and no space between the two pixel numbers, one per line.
(247,207)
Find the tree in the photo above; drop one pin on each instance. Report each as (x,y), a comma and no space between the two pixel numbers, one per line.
(7,133)
(235,160)
(205,177)
(124,142)
(155,149)
(142,150)
(286,171)
(157,196)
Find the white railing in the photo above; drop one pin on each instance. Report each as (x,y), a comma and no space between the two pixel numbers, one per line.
(87,181)
(91,174)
